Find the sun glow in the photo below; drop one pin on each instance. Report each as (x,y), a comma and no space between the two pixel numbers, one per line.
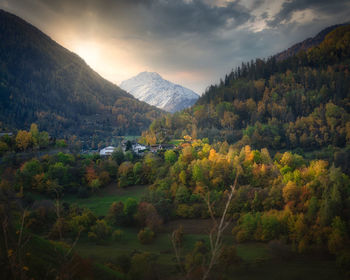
(89,51)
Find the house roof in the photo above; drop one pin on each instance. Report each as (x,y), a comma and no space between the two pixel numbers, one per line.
(107,150)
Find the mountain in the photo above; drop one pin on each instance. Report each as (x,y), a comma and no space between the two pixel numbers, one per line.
(299,103)
(42,82)
(150,87)
(307,44)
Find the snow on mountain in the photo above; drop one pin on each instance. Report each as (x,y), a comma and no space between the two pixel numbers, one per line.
(151,88)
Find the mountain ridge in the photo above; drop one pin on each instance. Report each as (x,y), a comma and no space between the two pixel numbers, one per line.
(150,87)
(45,83)
(307,43)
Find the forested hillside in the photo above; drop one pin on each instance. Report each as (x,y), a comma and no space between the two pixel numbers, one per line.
(301,102)
(307,44)
(42,82)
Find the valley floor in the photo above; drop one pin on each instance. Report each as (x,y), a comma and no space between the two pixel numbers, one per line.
(259,260)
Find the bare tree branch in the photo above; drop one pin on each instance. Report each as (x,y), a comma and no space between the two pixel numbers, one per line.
(218,230)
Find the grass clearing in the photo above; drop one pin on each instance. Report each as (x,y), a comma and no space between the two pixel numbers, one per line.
(258,261)
(294,269)
(99,203)
(176,142)
(253,251)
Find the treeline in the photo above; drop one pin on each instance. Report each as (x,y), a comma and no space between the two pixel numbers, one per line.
(82,175)
(301,102)
(25,141)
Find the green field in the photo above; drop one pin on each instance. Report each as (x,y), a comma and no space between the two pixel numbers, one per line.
(176,142)
(99,203)
(258,261)
(299,267)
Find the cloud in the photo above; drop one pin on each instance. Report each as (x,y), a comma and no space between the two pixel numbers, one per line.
(190,42)
(319,7)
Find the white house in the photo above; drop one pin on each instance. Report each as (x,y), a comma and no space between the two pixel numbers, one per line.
(138,148)
(107,151)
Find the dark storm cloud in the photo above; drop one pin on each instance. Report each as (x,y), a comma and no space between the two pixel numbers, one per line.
(174,18)
(205,38)
(152,17)
(321,7)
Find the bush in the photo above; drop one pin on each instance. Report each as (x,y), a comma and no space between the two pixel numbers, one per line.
(60,143)
(146,236)
(142,266)
(123,262)
(118,235)
(188,211)
(228,257)
(343,261)
(101,230)
(115,215)
(147,216)
(92,236)
(242,236)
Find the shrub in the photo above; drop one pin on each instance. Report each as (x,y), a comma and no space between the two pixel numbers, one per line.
(241,236)
(115,215)
(142,266)
(92,236)
(101,230)
(147,216)
(228,257)
(118,235)
(146,236)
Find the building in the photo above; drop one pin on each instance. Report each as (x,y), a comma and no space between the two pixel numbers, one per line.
(156,148)
(107,151)
(138,148)
(6,133)
(166,146)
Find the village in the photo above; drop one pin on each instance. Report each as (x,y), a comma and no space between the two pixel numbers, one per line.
(136,148)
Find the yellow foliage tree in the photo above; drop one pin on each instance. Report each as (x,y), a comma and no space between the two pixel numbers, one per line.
(24,140)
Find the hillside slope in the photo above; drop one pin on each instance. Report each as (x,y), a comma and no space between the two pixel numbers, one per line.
(302,102)
(42,82)
(306,44)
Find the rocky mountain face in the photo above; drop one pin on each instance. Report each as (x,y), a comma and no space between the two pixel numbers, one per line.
(151,88)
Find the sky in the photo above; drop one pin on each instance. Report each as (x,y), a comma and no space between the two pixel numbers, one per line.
(190,42)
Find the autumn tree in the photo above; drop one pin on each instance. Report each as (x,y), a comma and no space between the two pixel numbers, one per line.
(24,140)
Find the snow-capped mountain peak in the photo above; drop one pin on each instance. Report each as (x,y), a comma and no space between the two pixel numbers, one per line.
(151,88)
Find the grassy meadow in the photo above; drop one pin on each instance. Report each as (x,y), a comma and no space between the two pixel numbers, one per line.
(101,201)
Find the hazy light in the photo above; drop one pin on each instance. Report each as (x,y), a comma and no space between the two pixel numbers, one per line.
(89,51)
